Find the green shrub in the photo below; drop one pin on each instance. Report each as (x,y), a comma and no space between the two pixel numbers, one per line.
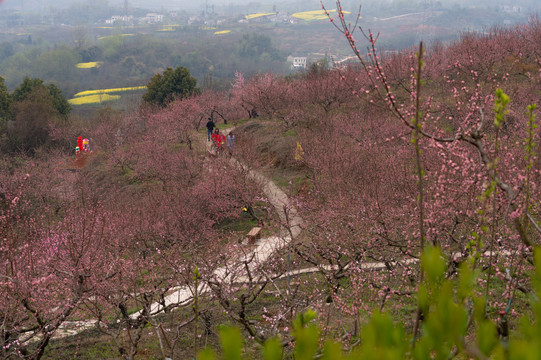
(453,325)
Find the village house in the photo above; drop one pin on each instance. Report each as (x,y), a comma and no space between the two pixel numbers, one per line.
(152,18)
(297,62)
(122,18)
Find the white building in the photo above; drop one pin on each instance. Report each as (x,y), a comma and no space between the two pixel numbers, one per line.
(152,18)
(297,62)
(122,18)
(511,9)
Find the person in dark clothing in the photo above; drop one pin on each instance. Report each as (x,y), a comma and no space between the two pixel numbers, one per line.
(210,128)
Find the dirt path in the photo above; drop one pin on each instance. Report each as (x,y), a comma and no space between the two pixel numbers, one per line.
(263,249)
(235,271)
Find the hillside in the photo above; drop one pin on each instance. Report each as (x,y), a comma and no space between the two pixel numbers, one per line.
(47,41)
(381,160)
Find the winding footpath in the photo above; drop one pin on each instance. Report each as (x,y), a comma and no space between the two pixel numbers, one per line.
(237,270)
(264,248)
(261,251)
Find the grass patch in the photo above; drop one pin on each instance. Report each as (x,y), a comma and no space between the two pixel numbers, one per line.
(292,182)
(245,222)
(241,224)
(290,132)
(89,345)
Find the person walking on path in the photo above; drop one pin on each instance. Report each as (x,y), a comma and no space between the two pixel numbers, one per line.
(219,139)
(230,141)
(210,128)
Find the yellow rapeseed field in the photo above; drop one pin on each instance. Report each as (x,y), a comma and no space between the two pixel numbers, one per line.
(88,65)
(314,15)
(222,32)
(106,91)
(93,99)
(105,37)
(253,16)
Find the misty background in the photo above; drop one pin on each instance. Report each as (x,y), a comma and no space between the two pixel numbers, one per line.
(132,40)
(190,5)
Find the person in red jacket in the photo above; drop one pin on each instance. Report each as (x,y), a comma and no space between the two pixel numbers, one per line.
(219,139)
(80,142)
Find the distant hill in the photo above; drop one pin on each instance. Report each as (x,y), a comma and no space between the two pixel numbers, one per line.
(189,5)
